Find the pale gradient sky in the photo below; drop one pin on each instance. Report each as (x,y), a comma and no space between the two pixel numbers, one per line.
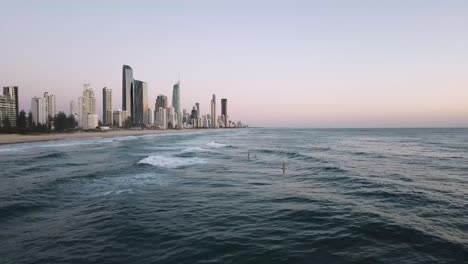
(279,63)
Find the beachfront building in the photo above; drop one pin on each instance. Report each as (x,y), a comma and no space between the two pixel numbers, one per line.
(86,107)
(170,117)
(159,105)
(194,117)
(49,100)
(213,112)
(140,103)
(9,105)
(161,118)
(92,121)
(107,117)
(224,111)
(127,88)
(119,118)
(161,101)
(150,120)
(176,104)
(39,111)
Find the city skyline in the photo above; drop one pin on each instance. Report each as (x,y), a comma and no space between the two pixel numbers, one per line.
(386,64)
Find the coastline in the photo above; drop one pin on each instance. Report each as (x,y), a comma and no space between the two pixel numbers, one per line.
(6,139)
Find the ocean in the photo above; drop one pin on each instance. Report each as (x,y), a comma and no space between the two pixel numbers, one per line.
(220,196)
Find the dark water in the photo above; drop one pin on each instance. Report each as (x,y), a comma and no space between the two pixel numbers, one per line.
(348,196)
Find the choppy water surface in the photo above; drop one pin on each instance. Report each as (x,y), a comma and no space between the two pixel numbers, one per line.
(361,196)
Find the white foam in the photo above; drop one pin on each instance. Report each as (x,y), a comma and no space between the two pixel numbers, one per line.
(171,162)
(195,149)
(125,138)
(216,145)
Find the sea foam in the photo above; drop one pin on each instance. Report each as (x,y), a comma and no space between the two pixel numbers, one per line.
(216,145)
(171,162)
(195,149)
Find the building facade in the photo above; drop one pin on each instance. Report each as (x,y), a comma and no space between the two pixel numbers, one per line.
(119,118)
(50,106)
(224,111)
(39,111)
(161,101)
(9,105)
(127,87)
(86,107)
(140,102)
(213,111)
(176,104)
(107,117)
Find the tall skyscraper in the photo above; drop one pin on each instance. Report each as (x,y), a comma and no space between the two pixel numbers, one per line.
(107,106)
(50,105)
(213,111)
(197,105)
(224,111)
(176,104)
(39,110)
(9,105)
(127,88)
(176,97)
(140,102)
(87,109)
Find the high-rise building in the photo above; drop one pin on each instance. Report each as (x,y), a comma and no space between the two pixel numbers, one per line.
(224,111)
(9,105)
(107,106)
(127,88)
(176,97)
(161,118)
(50,106)
(140,102)
(161,101)
(119,118)
(150,120)
(87,109)
(213,111)
(176,104)
(194,117)
(171,117)
(39,111)
(197,105)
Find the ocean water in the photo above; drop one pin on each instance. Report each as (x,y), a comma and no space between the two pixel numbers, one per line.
(347,196)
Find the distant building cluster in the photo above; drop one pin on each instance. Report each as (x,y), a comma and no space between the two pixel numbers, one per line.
(135,110)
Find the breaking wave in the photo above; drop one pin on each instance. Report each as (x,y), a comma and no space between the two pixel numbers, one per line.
(195,149)
(171,162)
(216,145)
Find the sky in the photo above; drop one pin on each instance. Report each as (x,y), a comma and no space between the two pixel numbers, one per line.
(280,63)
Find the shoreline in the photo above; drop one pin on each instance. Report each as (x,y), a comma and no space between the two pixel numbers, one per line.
(6,139)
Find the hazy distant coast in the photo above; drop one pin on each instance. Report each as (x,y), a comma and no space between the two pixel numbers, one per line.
(18,138)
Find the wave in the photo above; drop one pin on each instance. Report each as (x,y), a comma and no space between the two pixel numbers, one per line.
(171,162)
(213,144)
(195,149)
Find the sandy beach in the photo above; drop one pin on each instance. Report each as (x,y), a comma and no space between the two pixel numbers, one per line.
(17,138)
